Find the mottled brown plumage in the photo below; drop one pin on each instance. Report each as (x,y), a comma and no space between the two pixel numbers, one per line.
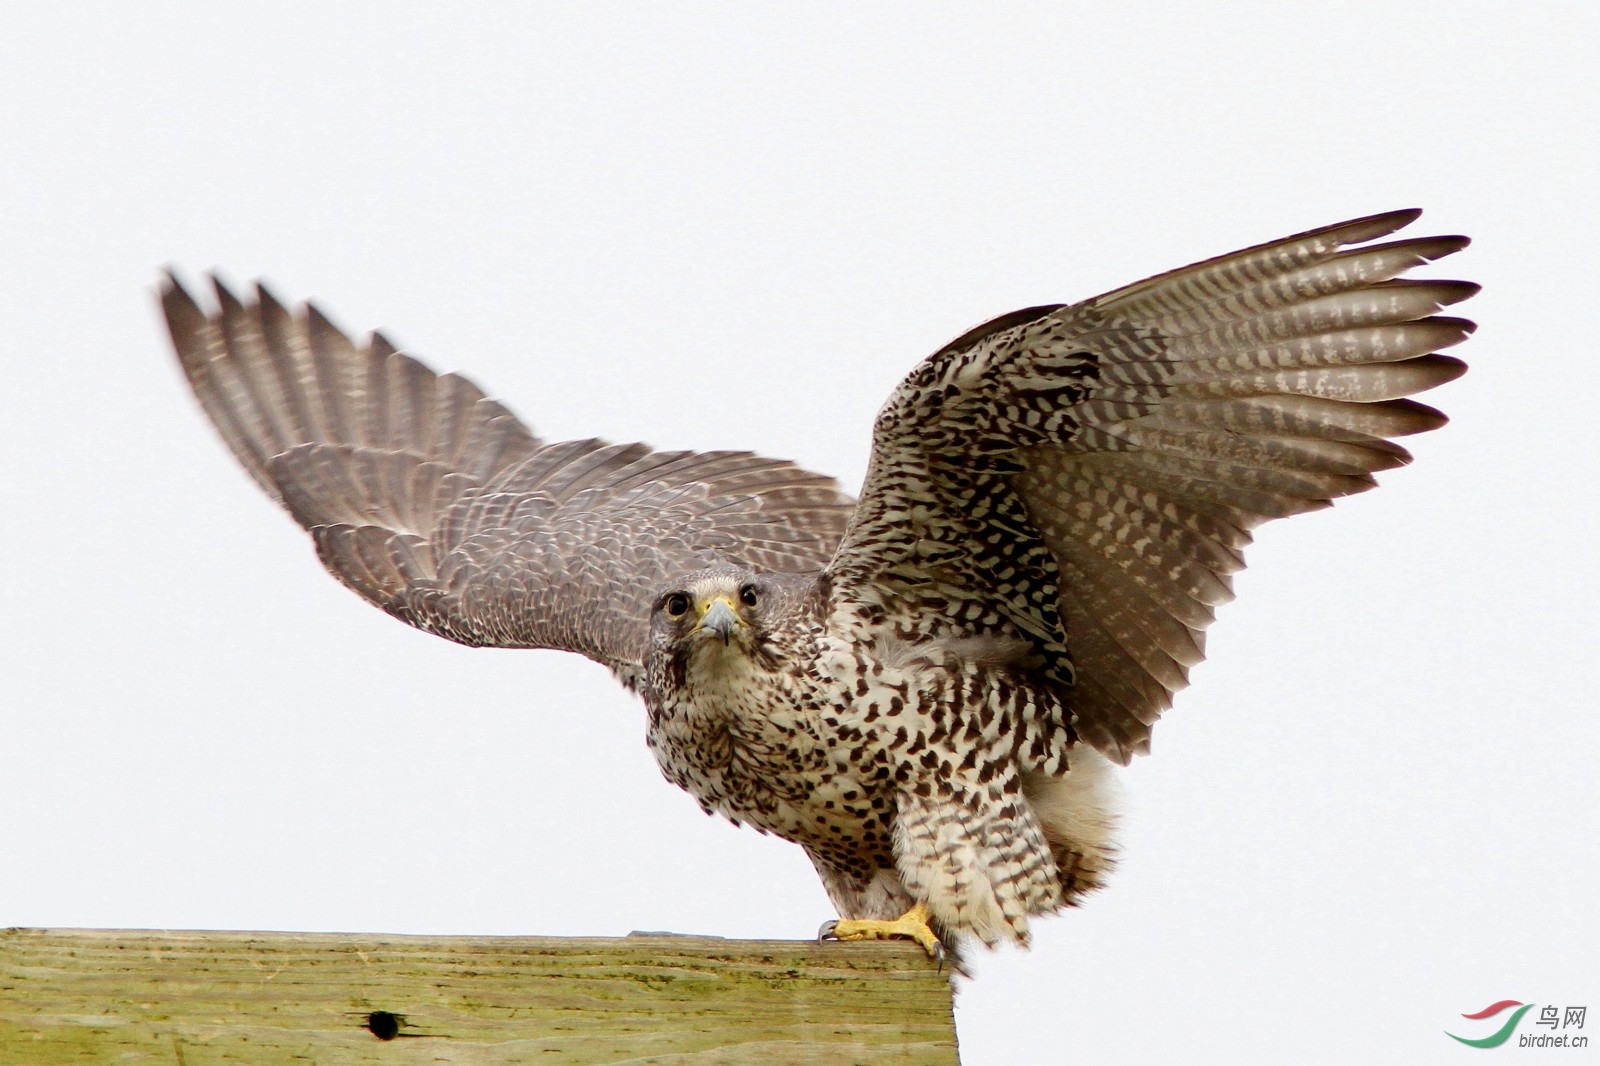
(924,689)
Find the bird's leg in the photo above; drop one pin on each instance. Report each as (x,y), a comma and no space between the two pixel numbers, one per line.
(912,925)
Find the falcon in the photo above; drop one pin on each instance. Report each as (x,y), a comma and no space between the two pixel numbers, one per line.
(924,688)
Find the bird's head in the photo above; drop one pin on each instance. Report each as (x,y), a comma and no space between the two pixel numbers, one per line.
(713,618)
(720,605)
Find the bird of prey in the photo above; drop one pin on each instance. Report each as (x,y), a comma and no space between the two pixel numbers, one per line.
(923,688)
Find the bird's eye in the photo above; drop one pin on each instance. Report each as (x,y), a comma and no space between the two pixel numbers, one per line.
(747,595)
(677,605)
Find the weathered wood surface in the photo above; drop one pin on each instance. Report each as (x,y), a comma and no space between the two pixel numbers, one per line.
(197,999)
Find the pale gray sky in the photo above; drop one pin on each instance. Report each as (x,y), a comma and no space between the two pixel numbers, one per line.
(737,225)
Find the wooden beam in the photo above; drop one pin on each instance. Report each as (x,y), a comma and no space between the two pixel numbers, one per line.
(194,999)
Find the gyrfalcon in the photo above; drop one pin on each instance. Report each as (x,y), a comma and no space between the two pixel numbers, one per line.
(925,688)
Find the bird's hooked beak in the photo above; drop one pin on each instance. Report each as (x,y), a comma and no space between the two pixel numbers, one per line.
(720,618)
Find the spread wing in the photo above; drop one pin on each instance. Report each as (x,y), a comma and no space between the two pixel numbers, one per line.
(439,506)
(1086,476)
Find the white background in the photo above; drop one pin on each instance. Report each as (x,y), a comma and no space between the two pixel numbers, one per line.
(738,225)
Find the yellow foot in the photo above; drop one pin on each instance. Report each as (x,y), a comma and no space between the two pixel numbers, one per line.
(912,925)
